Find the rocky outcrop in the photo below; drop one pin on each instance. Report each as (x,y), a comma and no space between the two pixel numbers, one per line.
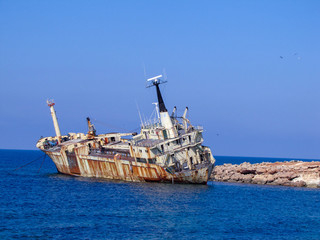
(293,173)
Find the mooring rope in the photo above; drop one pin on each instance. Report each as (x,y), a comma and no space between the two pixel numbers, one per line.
(28,163)
(44,157)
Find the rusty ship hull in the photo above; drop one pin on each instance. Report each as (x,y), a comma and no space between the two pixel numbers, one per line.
(82,164)
(167,149)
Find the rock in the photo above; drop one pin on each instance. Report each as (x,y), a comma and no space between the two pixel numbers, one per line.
(235,177)
(247,171)
(312,185)
(291,173)
(270,178)
(247,178)
(298,184)
(225,178)
(261,170)
(281,181)
(272,171)
(259,179)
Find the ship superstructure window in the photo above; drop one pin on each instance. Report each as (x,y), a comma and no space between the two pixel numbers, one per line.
(189,138)
(112,139)
(142,160)
(162,148)
(165,136)
(185,165)
(152,160)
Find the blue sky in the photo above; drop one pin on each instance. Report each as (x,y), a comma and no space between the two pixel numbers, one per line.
(248,70)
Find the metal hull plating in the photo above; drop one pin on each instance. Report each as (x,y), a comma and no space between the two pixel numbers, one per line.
(167,149)
(101,166)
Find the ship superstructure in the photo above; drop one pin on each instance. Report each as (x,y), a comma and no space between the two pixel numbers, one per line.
(166,150)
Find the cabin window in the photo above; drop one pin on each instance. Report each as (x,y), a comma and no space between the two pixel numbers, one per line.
(112,139)
(142,160)
(191,160)
(165,135)
(168,144)
(140,150)
(152,160)
(185,165)
(189,138)
(162,148)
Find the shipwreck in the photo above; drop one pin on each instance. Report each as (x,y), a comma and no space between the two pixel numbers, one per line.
(168,149)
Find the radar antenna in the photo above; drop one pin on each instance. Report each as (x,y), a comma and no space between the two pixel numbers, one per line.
(156,81)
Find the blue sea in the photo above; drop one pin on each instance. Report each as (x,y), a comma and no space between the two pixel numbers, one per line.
(38,203)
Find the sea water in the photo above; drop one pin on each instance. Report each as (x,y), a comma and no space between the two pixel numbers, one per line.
(38,203)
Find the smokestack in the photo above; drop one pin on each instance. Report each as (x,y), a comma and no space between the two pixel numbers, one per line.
(162,107)
(164,115)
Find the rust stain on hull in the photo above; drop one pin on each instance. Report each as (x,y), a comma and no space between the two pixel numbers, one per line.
(127,170)
(167,149)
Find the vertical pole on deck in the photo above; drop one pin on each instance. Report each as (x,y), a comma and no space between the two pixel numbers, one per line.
(54,119)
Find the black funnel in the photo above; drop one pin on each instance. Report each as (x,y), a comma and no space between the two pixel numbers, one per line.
(162,107)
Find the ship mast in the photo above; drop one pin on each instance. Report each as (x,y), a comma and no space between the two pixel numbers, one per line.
(55,120)
(164,115)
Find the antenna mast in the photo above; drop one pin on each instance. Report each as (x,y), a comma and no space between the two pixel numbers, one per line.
(164,115)
(54,119)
